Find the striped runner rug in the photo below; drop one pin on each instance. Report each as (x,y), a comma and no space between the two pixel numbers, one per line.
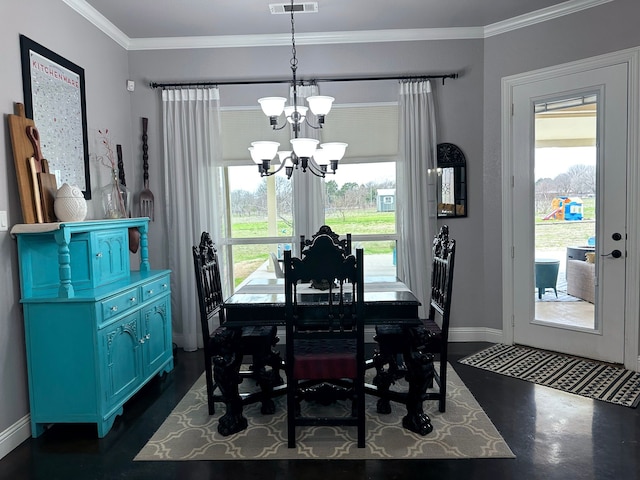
(601,381)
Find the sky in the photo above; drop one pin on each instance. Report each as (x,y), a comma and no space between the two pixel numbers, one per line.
(551,162)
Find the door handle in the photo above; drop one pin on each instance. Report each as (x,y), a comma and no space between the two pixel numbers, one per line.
(614,254)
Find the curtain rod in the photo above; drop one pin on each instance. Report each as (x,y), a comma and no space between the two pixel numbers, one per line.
(303,82)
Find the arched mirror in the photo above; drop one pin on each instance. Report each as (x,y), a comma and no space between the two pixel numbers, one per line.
(452,181)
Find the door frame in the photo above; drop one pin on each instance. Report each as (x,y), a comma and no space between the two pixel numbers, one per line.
(632,276)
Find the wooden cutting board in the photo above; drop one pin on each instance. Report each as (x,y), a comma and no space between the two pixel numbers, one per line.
(22,151)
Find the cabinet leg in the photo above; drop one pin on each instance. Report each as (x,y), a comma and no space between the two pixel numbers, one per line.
(37,429)
(105,425)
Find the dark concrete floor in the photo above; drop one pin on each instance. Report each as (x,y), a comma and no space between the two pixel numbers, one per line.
(553,435)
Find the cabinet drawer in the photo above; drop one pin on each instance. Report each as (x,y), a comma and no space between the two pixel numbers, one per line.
(155,288)
(117,304)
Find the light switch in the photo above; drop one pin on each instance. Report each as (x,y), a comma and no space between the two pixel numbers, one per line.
(4,226)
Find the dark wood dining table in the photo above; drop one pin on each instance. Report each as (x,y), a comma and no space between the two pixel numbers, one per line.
(260,301)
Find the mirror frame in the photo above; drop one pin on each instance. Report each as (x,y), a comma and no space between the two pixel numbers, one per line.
(451,157)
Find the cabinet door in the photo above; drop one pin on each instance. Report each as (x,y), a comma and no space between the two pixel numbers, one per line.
(121,357)
(111,253)
(156,327)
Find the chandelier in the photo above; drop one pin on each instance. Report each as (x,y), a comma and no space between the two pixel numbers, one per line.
(306,154)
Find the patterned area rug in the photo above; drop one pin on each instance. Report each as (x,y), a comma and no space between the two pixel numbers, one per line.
(464,431)
(601,381)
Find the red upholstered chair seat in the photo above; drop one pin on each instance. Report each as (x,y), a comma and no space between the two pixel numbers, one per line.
(325,359)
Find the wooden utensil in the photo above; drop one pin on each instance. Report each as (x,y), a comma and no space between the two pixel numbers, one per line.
(146,197)
(22,151)
(34,138)
(36,189)
(48,186)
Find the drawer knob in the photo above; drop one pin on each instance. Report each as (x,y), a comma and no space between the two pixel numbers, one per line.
(150,292)
(132,299)
(164,285)
(99,255)
(114,308)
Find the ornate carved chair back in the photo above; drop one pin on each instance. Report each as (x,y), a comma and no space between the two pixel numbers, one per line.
(344,243)
(208,283)
(444,249)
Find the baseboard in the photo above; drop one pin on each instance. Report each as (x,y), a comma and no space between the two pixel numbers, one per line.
(475,334)
(15,435)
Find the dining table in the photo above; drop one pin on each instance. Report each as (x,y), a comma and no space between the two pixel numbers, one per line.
(387,301)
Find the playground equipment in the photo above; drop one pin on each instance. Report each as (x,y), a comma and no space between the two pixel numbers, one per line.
(565,208)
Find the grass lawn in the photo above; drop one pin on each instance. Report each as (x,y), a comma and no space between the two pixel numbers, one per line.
(247,258)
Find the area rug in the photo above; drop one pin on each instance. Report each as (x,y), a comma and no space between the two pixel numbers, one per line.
(464,431)
(601,381)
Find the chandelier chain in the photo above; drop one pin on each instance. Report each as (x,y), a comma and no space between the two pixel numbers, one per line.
(294,59)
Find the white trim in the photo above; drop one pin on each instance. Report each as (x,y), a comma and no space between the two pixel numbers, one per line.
(327,38)
(15,435)
(632,310)
(100,21)
(632,307)
(316,38)
(476,334)
(539,16)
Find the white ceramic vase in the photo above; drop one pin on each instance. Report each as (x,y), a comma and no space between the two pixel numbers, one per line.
(70,205)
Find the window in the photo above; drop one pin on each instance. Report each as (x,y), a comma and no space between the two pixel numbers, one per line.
(261,210)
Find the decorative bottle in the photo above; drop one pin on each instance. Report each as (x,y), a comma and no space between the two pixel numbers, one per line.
(116,199)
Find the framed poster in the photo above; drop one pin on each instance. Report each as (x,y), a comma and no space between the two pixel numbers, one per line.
(54,97)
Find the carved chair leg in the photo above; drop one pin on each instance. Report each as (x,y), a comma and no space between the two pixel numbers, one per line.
(226,371)
(383,381)
(420,374)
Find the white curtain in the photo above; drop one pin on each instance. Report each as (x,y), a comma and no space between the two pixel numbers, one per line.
(308,190)
(416,187)
(192,156)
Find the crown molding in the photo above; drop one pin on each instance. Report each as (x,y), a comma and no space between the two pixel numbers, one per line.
(100,21)
(327,38)
(318,38)
(542,15)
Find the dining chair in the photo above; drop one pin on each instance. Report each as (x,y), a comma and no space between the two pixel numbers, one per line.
(277,269)
(225,344)
(325,334)
(430,338)
(343,243)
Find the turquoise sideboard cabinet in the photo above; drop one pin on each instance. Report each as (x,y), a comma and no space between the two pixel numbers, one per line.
(95,330)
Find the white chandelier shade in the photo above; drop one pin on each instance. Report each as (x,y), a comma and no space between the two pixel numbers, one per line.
(320,104)
(263,150)
(304,147)
(274,106)
(334,150)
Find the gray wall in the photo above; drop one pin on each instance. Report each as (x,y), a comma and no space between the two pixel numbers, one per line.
(57,27)
(468,112)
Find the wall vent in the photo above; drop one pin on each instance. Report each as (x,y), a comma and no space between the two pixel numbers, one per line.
(305,7)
